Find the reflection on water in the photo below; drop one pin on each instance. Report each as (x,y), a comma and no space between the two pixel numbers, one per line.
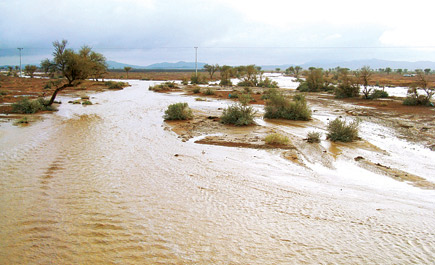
(102,185)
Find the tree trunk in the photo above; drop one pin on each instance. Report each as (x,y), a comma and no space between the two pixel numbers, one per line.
(53,97)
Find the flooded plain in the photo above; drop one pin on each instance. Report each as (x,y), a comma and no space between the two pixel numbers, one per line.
(110,184)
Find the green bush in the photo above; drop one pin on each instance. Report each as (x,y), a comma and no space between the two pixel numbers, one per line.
(196,90)
(209,91)
(233,95)
(378,94)
(340,131)
(86,102)
(178,111)
(27,106)
(198,79)
(346,90)
(115,85)
(23,120)
(279,107)
(313,137)
(238,114)
(414,99)
(166,86)
(276,138)
(267,82)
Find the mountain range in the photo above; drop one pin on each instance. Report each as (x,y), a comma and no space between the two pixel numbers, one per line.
(355,64)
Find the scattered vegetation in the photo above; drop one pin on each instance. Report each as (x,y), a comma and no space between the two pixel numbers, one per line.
(178,111)
(313,137)
(166,86)
(340,131)
(115,85)
(26,106)
(280,107)
(86,102)
(276,139)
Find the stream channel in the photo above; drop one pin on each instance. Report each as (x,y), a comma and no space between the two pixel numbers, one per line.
(110,184)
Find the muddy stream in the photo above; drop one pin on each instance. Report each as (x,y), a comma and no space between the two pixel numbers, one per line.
(110,184)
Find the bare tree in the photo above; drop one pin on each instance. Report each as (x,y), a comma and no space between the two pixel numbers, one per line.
(365,75)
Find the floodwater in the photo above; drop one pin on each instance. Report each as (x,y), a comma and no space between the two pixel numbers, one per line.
(107,184)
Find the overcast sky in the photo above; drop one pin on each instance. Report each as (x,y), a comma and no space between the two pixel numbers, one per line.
(232,32)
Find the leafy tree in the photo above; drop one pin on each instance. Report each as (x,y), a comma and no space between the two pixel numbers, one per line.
(314,81)
(73,66)
(295,71)
(427,70)
(30,70)
(347,86)
(47,67)
(399,71)
(365,75)
(278,70)
(211,69)
(388,70)
(127,69)
(226,73)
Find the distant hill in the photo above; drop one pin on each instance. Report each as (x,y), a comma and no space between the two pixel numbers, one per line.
(116,65)
(177,65)
(181,65)
(357,64)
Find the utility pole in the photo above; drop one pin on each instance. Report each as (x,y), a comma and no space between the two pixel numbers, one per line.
(20,59)
(196,62)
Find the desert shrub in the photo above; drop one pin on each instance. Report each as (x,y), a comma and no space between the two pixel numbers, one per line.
(23,120)
(378,94)
(346,90)
(115,85)
(413,99)
(166,86)
(27,106)
(276,138)
(313,137)
(185,81)
(198,79)
(238,114)
(178,111)
(86,102)
(267,82)
(3,93)
(340,131)
(233,95)
(196,90)
(280,107)
(209,91)
(226,82)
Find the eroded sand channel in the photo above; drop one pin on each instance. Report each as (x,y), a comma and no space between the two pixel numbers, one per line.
(108,184)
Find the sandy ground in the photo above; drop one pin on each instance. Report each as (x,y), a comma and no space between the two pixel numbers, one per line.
(413,124)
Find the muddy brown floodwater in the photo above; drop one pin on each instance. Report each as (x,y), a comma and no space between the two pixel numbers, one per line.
(109,184)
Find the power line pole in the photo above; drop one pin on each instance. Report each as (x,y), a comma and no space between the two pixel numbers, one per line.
(20,59)
(196,62)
